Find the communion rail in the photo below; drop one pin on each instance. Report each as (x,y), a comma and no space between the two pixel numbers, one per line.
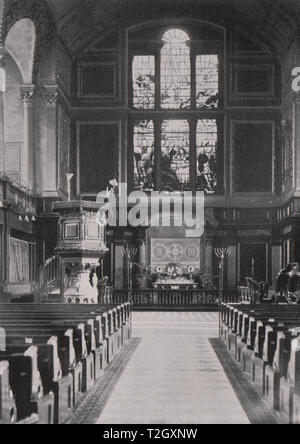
(208,299)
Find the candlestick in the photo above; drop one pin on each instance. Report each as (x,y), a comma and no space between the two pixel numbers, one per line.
(69,178)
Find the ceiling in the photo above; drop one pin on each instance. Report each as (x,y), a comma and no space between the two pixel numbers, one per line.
(81,21)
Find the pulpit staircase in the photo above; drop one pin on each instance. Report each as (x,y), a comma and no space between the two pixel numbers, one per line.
(49,281)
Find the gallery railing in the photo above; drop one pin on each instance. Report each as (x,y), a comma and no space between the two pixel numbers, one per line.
(175,298)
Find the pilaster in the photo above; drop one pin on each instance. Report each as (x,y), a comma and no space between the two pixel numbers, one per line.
(28,160)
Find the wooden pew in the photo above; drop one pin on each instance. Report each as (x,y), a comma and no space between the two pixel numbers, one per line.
(26,384)
(78,333)
(8,411)
(265,336)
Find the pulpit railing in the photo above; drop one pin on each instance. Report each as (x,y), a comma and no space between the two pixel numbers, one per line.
(49,277)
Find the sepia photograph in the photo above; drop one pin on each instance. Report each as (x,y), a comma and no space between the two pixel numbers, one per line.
(149,215)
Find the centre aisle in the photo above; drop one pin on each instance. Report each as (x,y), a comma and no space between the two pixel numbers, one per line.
(174,376)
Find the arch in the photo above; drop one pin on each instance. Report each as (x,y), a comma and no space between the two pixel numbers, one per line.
(20,44)
(13,117)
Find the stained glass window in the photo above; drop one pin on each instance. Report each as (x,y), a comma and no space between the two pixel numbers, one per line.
(144,155)
(207,81)
(175,158)
(207,141)
(143,72)
(175,70)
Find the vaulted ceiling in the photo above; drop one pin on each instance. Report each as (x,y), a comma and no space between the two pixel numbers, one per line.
(81,21)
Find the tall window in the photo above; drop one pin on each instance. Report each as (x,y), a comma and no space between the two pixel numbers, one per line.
(175,161)
(143,70)
(207,81)
(144,155)
(175,70)
(207,140)
(175,97)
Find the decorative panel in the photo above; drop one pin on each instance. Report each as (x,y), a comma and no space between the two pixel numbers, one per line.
(71,230)
(253,81)
(253,147)
(97,80)
(98,156)
(185,252)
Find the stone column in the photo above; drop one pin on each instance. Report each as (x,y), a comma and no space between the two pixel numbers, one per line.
(28,159)
(50,149)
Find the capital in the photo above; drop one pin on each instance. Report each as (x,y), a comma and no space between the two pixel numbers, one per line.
(27,94)
(51,98)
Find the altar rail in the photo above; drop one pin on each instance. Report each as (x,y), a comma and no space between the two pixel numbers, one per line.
(175,298)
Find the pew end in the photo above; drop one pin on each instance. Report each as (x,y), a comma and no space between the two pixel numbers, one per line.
(8,412)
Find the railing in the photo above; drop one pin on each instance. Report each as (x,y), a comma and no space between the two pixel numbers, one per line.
(49,277)
(17,196)
(175,298)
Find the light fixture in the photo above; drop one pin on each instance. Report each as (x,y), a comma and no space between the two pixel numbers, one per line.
(33,219)
(26,218)
(20,218)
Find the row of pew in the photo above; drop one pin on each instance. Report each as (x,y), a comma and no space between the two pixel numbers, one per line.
(265,341)
(51,354)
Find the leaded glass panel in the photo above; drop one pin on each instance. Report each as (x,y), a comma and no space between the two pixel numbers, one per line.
(207,81)
(144,155)
(175,159)
(175,70)
(143,74)
(207,141)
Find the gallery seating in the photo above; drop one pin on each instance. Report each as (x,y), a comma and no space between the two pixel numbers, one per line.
(265,341)
(51,354)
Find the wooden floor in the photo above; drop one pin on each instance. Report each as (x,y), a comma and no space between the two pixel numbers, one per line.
(174,375)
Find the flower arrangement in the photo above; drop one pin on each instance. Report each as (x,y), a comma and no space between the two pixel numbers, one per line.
(174,270)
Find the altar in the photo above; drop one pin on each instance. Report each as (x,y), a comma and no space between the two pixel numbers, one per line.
(175,284)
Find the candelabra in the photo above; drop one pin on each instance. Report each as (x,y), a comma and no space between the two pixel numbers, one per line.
(221,254)
(129,254)
(102,223)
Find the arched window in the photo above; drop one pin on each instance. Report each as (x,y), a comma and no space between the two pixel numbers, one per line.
(175,70)
(177,112)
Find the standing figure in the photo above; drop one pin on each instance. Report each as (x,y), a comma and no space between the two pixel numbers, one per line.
(102,282)
(294,284)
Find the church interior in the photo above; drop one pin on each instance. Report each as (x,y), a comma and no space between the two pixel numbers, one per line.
(179,97)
